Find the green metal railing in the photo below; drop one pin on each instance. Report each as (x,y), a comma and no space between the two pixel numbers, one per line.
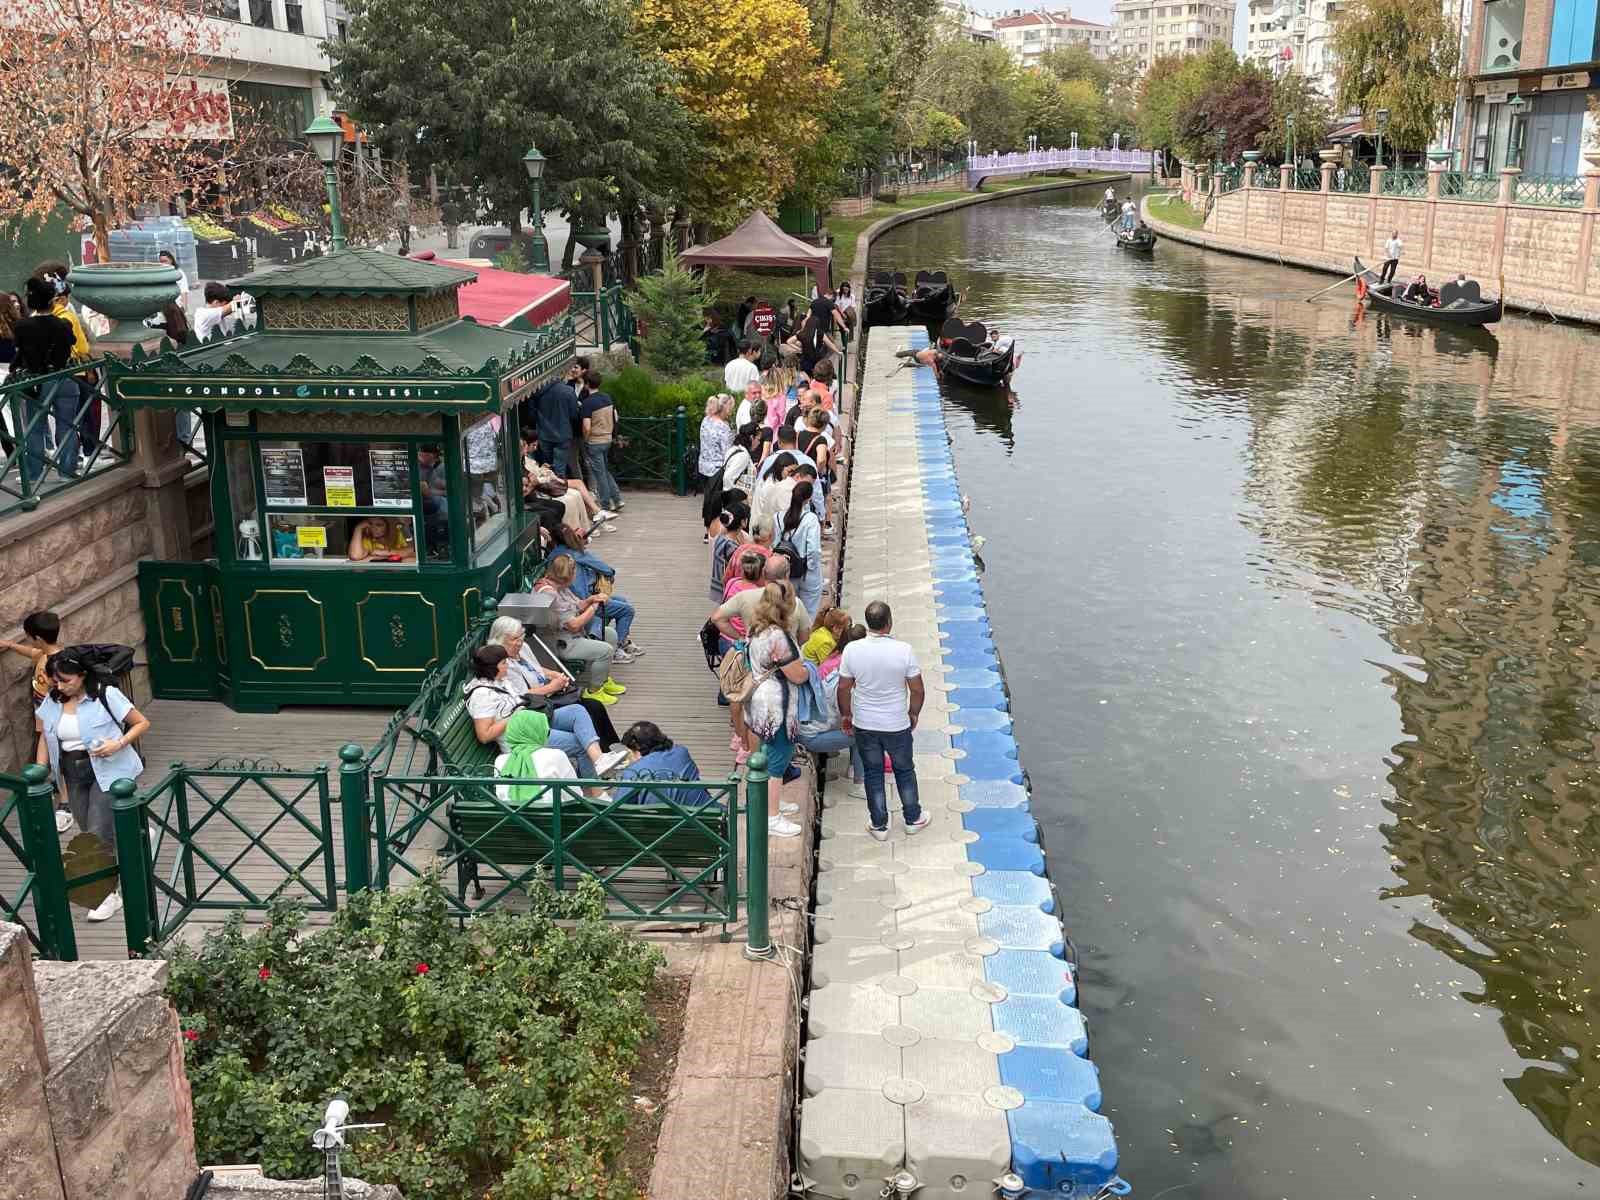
(1565,191)
(603,318)
(1460,185)
(28,835)
(1230,178)
(56,437)
(183,848)
(1306,179)
(656,860)
(653,450)
(1397,182)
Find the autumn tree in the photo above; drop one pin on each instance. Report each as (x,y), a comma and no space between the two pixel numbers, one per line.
(106,106)
(750,73)
(1402,55)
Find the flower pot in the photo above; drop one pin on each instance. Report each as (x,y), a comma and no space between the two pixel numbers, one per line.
(1332,156)
(1251,156)
(125,292)
(1591,157)
(1439,156)
(593,239)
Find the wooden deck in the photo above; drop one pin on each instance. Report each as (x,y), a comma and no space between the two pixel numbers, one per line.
(662,567)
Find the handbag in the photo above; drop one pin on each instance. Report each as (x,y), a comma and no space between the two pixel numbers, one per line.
(603,585)
(735,680)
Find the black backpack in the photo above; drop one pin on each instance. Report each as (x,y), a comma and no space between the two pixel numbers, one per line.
(108,662)
(797,561)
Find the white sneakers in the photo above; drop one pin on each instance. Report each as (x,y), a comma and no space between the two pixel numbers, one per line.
(63,821)
(609,762)
(107,908)
(788,808)
(912,827)
(782,827)
(881,835)
(605,514)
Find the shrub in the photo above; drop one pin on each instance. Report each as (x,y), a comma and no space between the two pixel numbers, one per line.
(497,1057)
(631,390)
(670,305)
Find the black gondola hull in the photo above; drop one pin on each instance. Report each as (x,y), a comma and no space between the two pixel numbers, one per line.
(1380,298)
(886,307)
(1135,242)
(987,370)
(932,307)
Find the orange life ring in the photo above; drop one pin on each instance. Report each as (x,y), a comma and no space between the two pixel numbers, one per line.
(1361,287)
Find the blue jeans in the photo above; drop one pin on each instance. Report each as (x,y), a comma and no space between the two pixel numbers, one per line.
(833,742)
(58,398)
(872,745)
(603,481)
(572,733)
(561,459)
(619,613)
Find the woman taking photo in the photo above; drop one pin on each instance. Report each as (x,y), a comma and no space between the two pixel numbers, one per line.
(801,529)
(86,734)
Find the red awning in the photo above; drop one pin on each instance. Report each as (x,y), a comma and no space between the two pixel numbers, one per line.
(760,243)
(1346,132)
(499,297)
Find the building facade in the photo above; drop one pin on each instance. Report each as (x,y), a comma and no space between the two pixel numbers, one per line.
(1294,37)
(961,21)
(1532,67)
(1144,31)
(272,56)
(1030,34)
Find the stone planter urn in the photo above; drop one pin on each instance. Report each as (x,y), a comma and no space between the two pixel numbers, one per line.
(593,238)
(1439,156)
(1591,157)
(1252,156)
(1332,156)
(125,292)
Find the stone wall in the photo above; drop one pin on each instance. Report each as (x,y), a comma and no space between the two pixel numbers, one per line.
(77,554)
(1548,255)
(94,1102)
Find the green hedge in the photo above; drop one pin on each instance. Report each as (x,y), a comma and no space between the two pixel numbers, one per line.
(638,393)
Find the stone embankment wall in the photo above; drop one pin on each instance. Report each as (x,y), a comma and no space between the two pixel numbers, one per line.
(1548,255)
(94,1101)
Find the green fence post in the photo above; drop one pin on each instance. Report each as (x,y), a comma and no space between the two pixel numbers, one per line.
(43,845)
(135,874)
(757,942)
(680,449)
(353,807)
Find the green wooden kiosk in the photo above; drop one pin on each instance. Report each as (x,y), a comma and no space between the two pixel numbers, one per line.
(366,484)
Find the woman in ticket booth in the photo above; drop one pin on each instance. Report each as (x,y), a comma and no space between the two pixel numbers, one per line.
(380,539)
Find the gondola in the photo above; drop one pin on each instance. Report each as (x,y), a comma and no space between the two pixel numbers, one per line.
(970,354)
(1460,304)
(887,303)
(933,301)
(1141,238)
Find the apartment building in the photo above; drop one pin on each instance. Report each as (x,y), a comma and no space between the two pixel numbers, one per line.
(1145,31)
(1294,37)
(968,23)
(1531,69)
(272,55)
(1029,34)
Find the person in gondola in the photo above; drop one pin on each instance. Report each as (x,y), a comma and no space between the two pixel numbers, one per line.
(1111,195)
(1417,290)
(1128,216)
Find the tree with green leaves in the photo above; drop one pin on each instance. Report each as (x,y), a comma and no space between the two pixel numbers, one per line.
(1296,95)
(979,84)
(1400,55)
(670,306)
(466,88)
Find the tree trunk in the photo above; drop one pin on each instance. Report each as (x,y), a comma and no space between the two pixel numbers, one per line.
(827,31)
(102,235)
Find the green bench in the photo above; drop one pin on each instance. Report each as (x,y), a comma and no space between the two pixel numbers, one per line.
(593,839)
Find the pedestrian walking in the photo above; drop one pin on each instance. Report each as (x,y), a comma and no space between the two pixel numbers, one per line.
(880,698)
(1391,257)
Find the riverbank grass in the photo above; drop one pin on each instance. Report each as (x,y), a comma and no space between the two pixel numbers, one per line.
(1171,208)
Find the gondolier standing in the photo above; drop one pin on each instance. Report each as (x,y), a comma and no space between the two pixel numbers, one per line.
(1391,257)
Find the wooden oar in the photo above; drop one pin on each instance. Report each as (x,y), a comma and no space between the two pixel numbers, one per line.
(1331,286)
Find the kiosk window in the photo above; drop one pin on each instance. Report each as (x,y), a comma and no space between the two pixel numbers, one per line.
(325,537)
(336,474)
(483,451)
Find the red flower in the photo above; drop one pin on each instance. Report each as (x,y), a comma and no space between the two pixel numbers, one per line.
(264,973)
(422,968)
(191,1035)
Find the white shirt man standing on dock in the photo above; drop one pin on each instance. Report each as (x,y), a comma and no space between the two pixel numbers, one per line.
(1391,257)
(880,697)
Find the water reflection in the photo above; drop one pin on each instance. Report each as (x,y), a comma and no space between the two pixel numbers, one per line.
(1316,732)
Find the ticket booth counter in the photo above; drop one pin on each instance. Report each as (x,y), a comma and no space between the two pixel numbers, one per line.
(366,485)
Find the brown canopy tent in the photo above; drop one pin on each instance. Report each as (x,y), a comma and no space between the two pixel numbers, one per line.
(760,243)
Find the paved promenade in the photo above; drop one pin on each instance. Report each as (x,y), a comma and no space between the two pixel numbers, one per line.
(943,1040)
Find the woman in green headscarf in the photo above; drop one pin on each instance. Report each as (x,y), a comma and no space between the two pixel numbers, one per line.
(525,735)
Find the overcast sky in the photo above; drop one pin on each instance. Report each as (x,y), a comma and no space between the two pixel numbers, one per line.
(1099,10)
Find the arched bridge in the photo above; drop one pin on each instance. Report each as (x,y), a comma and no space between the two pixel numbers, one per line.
(1028,162)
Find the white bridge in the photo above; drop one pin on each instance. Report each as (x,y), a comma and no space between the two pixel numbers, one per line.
(1028,162)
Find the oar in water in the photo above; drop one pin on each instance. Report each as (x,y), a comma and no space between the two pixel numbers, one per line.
(1331,286)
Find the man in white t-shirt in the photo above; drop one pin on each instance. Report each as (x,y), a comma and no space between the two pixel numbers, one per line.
(741,372)
(880,697)
(1391,257)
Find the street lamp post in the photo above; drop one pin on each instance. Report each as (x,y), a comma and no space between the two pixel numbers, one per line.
(1383,124)
(1518,105)
(533,164)
(1288,128)
(326,138)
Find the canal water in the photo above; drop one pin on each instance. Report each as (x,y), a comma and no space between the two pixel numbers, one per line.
(1298,612)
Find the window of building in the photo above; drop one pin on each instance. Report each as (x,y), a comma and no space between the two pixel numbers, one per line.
(286,109)
(293,21)
(1502,34)
(483,448)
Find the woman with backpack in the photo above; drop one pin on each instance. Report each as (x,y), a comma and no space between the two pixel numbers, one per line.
(87,729)
(771,710)
(800,539)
